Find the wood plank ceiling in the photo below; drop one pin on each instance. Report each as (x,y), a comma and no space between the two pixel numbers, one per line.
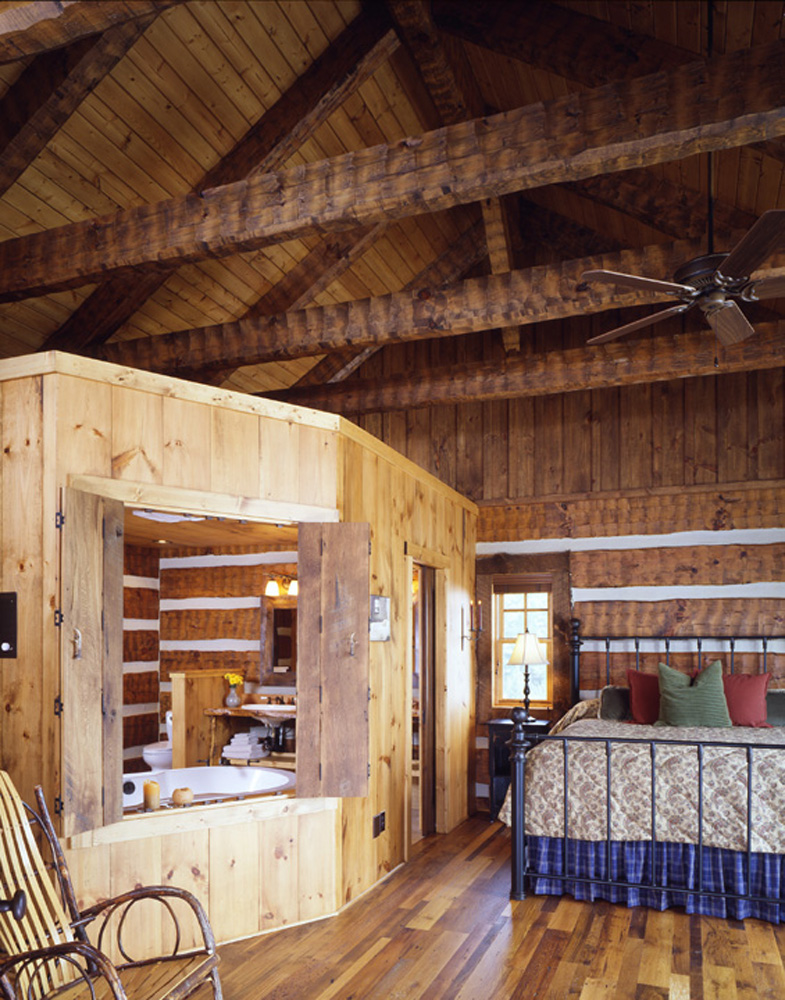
(263,195)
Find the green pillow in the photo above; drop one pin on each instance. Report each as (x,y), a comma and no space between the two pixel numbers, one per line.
(697,703)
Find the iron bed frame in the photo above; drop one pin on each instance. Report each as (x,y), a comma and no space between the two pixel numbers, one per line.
(523,871)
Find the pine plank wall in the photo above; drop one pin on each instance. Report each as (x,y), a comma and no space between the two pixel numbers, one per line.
(659,508)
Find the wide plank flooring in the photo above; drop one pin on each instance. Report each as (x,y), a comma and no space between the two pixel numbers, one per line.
(443,926)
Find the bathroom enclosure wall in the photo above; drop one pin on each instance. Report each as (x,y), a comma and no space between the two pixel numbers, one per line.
(131,437)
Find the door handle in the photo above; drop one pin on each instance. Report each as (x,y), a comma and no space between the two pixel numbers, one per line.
(352,644)
(77,641)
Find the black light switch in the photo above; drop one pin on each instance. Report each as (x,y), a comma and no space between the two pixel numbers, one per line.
(8,625)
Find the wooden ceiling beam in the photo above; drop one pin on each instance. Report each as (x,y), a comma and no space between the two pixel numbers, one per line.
(51,88)
(28,29)
(679,212)
(331,258)
(485,303)
(456,96)
(731,100)
(561,40)
(658,359)
(446,269)
(354,56)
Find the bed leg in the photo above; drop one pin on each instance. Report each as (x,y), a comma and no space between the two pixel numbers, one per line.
(518,747)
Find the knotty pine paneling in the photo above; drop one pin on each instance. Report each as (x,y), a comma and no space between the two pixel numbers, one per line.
(693,431)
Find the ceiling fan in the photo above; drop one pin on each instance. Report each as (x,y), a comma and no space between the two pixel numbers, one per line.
(711,282)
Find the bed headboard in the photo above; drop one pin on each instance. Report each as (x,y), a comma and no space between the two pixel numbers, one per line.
(762,643)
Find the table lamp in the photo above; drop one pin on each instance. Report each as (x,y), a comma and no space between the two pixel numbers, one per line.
(527,652)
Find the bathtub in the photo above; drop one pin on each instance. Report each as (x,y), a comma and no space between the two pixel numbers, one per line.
(209,784)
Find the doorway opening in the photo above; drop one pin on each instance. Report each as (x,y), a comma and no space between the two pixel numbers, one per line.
(423,750)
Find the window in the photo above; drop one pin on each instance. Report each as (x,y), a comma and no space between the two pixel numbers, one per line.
(522,603)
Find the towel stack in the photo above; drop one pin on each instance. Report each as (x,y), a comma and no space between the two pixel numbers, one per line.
(247,746)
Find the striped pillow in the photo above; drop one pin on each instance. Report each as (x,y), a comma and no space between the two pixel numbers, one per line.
(700,702)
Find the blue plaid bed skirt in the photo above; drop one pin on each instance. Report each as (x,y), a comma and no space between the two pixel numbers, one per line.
(678,876)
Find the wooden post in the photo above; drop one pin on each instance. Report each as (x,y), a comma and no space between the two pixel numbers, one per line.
(518,747)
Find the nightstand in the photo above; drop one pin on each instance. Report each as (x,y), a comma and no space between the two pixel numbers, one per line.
(499,736)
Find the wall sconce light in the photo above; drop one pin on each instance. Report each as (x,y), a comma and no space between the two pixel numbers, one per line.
(475,623)
(527,652)
(277,586)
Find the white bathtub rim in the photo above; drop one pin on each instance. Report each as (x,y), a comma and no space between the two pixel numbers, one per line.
(254,781)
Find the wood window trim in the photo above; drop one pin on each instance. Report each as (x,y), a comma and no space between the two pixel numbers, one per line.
(515,583)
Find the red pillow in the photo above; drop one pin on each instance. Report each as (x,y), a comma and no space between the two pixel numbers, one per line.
(644,697)
(746,698)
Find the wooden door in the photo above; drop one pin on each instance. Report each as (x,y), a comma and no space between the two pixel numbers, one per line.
(333,615)
(91,564)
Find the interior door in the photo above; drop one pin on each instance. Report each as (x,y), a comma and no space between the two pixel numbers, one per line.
(333,615)
(91,563)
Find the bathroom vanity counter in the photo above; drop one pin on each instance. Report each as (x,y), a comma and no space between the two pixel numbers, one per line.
(221,723)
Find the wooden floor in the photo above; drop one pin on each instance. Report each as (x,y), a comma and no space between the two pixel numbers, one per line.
(443,926)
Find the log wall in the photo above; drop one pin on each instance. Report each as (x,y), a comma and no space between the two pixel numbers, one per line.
(701,459)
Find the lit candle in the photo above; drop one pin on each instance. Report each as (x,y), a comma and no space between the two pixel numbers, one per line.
(471,616)
(152,795)
(479,616)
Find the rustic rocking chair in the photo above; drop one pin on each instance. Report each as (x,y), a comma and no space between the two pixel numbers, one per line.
(45,948)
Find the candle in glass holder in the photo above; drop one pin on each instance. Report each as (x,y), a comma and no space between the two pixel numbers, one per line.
(152,795)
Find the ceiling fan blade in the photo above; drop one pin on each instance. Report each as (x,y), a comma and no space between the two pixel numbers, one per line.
(636,281)
(766,236)
(766,288)
(639,324)
(730,324)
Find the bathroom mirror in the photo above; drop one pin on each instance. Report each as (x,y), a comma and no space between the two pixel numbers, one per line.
(279,641)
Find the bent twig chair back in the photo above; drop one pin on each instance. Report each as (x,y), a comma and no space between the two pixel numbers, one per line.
(44,934)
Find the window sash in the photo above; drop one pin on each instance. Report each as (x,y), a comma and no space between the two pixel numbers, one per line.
(540,678)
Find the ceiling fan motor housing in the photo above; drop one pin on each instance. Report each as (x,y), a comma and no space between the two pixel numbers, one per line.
(701,272)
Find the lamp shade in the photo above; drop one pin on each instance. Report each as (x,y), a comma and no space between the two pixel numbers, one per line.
(293,589)
(272,589)
(527,651)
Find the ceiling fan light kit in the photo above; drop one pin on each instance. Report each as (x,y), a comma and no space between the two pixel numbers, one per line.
(712,282)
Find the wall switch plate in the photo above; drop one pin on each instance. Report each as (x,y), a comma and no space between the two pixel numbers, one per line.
(8,624)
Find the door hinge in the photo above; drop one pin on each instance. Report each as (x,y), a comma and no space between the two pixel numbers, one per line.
(58,617)
(369,693)
(320,694)
(369,547)
(320,772)
(321,624)
(369,769)
(58,806)
(58,705)
(59,520)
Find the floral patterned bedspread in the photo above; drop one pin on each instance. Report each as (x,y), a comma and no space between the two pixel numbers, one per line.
(676,786)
